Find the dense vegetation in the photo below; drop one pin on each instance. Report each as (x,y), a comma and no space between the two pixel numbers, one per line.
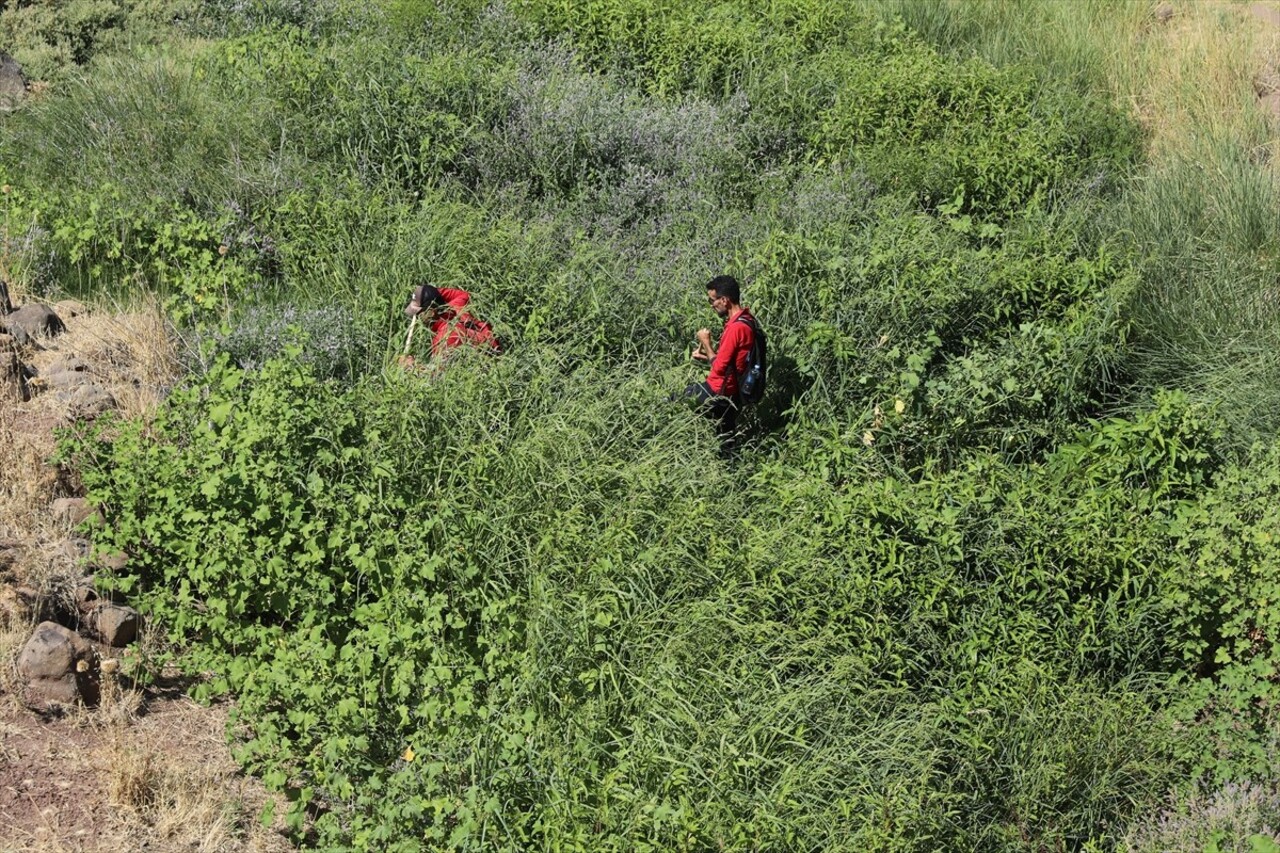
(995,569)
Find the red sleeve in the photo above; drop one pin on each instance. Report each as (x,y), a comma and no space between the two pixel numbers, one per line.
(723,377)
(454,298)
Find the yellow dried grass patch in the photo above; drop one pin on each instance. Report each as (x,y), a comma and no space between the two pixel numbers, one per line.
(175,778)
(1194,78)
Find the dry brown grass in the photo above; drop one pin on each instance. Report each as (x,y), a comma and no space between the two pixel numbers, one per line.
(1195,78)
(28,484)
(175,779)
(129,352)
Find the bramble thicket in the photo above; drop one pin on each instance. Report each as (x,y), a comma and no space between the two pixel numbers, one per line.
(995,568)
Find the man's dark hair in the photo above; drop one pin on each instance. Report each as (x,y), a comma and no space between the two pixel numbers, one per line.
(726,285)
(428,296)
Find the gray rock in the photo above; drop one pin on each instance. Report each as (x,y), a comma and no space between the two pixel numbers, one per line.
(70,308)
(115,624)
(52,652)
(58,667)
(67,364)
(86,401)
(73,511)
(116,561)
(33,321)
(86,597)
(62,380)
(13,83)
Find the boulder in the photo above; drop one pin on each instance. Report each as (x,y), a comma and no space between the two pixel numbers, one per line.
(115,624)
(86,401)
(67,364)
(72,511)
(61,380)
(113,561)
(19,336)
(86,596)
(33,321)
(57,665)
(13,83)
(89,597)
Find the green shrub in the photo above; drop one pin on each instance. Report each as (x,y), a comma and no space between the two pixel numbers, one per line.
(49,39)
(1220,595)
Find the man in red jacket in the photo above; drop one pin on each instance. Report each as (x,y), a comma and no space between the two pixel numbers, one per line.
(718,395)
(441,310)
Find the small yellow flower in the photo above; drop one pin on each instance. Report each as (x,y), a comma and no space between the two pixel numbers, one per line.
(868,438)
(222,250)
(899,406)
(407,755)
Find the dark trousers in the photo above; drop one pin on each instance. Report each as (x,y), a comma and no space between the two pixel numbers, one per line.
(722,411)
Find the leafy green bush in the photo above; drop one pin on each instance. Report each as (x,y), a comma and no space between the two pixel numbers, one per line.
(1221,595)
(538,613)
(49,39)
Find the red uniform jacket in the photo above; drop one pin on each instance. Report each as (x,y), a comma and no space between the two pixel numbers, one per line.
(731,355)
(453,327)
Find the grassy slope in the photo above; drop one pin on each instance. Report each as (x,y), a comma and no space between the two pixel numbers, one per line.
(599,635)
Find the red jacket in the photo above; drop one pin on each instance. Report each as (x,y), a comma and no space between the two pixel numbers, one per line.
(731,354)
(453,327)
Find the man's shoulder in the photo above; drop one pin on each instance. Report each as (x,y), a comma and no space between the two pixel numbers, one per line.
(741,329)
(743,323)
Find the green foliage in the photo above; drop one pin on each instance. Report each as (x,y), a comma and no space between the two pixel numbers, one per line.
(1221,597)
(82,240)
(536,613)
(946,598)
(50,38)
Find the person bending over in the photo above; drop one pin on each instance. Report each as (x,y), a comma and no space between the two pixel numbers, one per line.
(440,309)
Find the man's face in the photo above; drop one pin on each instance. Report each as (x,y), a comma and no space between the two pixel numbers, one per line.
(719,304)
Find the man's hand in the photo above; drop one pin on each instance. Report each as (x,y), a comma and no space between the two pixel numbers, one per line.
(698,354)
(413,309)
(704,351)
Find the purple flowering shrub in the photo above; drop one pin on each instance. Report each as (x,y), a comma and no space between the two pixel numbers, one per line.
(1231,817)
(328,336)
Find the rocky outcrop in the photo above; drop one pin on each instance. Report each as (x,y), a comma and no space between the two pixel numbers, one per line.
(59,667)
(31,322)
(73,511)
(114,624)
(13,83)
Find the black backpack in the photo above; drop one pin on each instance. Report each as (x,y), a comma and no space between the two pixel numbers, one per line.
(752,379)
